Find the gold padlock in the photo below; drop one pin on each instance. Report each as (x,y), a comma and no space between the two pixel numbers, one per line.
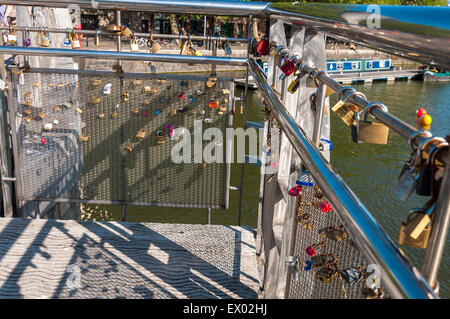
(406,240)
(28,111)
(96,82)
(84,137)
(420,222)
(211,82)
(126,32)
(96,99)
(12,36)
(137,83)
(74,40)
(126,96)
(371,132)
(141,134)
(345,112)
(45,39)
(154,46)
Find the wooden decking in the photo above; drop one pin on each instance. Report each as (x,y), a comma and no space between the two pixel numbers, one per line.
(86,259)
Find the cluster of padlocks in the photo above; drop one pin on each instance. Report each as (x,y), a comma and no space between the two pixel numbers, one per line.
(422,173)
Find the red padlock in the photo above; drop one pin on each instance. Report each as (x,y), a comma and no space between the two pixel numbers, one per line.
(43,141)
(263,47)
(288,67)
(325,207)
(310,251)
(213,104)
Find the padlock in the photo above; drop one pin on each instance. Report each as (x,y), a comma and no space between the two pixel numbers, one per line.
(141,134)
(369,293)
(126,32)
(126,96)
(263,47)
(428,166)
(136,83)
(136,111)
(295,84)
(67,38)
(153,45)
(372,132)
(74,40)
(352,275)
(28,111)
(211,82)
(84,137)
(323,260)
(312,249)
(45,39)
(97,38)
(346,112)
(133,45)
(288,67)
(334,233)
(227,48)
(160,138)
(12,36)
(419,222)
(354,127)
(422,240)
(326,274)
(213,104)
(96,99)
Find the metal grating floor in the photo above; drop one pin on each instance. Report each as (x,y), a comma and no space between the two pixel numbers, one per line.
(39,259)
(113,164)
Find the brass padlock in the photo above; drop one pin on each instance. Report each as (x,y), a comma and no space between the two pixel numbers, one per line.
(84,137)
(126,96)
(419,222)
(295,84)
(371,132)
(96,82)
(96,99)
(211,82)
(346,112)
(141,134)
(326,274)
(126,32)
(45,38)
(153,45)
(404,238)
(137,83)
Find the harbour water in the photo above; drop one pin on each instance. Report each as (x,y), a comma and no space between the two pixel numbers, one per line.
(370,170)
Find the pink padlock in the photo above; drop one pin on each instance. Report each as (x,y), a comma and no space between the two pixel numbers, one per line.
(310,251)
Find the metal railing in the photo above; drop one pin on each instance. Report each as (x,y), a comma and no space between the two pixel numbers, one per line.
(400,278)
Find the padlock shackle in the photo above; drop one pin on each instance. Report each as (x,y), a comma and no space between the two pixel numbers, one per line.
(434,150)
(424,144)
(371,106)
(414,135)
(342,89)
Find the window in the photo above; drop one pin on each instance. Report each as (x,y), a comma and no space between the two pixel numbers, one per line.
(355,65)
(339,65)
(370,64)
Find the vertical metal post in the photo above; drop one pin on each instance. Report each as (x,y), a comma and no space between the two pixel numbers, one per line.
(204,29)
(119,38)
(441,222)
(320,105)
(214,53)
(5,159)
(37,213)
(241,191)
(208,220)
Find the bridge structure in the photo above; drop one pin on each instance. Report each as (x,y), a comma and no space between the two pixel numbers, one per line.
(74,136)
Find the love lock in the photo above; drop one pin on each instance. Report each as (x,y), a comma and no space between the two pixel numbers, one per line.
(416,219)
(333,233)
(371,132)
(326,274)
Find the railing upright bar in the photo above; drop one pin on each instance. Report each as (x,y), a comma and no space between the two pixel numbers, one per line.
(399,277)
(438,237)
(320,105)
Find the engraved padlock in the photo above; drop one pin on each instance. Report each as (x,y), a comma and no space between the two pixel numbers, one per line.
(406,240)
(372,132)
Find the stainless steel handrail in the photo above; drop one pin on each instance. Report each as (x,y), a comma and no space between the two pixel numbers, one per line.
(402,128)
(399,276)
(174,58)
(216,7)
